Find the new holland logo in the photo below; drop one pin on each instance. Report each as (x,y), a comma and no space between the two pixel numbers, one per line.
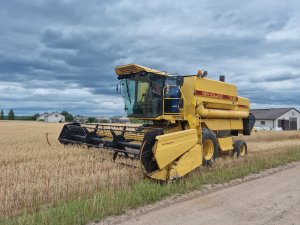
(216,95)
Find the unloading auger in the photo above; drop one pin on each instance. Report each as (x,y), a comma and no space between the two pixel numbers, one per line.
(188,120)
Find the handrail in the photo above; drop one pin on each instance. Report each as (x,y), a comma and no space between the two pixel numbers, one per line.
(182,97)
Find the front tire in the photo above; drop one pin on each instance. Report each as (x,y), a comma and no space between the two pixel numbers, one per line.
(210,147)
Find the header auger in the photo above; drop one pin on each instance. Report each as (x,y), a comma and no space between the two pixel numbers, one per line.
(188,121)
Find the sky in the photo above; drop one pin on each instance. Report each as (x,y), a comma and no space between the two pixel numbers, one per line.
(60,54)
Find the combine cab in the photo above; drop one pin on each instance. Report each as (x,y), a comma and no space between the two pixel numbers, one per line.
(188,121)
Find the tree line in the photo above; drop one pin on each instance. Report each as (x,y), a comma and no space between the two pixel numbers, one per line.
(68,117)
(11,116)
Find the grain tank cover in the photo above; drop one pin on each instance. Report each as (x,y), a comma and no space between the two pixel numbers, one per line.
(135,68)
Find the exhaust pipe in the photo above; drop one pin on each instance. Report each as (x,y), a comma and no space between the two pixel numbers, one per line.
(222,78)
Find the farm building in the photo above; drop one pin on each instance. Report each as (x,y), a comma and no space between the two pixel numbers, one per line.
(52,118)
(80,119)
(277,118)
(124,119)
(84,119)
(42,117)
(103,119)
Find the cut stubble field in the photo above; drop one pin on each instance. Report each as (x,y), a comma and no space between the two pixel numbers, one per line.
(35,175)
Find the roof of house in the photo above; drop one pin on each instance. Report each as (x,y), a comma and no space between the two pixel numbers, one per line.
(124,118)
(270,114)
(54,114)
(44,114)
(102,118)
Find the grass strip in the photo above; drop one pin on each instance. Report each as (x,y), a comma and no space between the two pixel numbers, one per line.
(108,202)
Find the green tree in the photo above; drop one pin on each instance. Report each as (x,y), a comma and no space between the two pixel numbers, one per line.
(64,113)
(69,118)
(35,116)
(92,120)
(11,115)
(2,117)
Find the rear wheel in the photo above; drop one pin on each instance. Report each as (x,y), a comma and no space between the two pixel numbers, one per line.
(210,147)
(240,148)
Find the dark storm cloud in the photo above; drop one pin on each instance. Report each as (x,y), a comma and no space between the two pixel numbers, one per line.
(283,77)
(61,54)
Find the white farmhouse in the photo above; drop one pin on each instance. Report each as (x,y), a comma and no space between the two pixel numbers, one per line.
(103,119)
(42,117)
(124,119)
(55,118)
(51,118)
(277,118)
(80,119)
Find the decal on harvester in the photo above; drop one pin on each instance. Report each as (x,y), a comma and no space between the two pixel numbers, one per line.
(215,95)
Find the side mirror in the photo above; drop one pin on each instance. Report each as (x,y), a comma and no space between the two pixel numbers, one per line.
(179,81)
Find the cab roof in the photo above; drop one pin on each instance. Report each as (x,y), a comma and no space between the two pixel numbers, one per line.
(135,68)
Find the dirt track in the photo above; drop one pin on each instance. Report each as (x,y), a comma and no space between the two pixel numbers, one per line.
(273,199)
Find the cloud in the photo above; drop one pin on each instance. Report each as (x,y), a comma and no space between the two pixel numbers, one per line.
(61,54)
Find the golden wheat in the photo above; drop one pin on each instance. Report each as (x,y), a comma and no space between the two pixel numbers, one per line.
(32,173)
(265,136)
(271,140)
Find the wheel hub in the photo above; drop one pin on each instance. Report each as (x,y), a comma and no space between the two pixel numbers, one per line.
(243,150)
(208,150)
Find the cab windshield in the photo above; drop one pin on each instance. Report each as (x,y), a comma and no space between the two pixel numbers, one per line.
(143,94)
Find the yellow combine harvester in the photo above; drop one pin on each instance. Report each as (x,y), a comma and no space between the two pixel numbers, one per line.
(188,121)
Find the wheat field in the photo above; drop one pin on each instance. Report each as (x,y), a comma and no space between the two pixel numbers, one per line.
(33,174)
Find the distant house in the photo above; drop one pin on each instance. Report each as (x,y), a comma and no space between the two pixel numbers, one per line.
(115,119)
(120,119)
(52,118)
(103,119)
(80,119)
(42,117)
(124,119)
(277,118)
